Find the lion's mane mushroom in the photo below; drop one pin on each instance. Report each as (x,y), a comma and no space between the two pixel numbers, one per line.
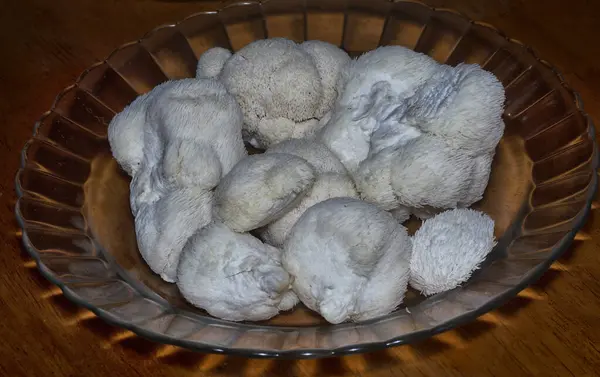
(185,154)
(285,89)
(349,260)
(234,276)
(448,248)
(260,189)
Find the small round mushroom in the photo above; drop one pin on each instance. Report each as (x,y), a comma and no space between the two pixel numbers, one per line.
(163,228)
(448,248)
(286,90)
(260,189)
(349,260)
(275,82)
(211,62)
(234,276)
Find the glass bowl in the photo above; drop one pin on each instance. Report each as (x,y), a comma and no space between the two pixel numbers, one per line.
(73,199)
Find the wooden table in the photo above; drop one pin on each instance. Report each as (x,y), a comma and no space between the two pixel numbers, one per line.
(551,329)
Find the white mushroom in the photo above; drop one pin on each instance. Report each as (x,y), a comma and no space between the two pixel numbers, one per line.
(234,276)
(201,111)
(374,90)
(448,248)
(349,260)
(211,62)
(284,89)
(277,85)
(394,101)
(164,227)
(192,137)
(424,173)
(455,128)
(327,186)
(260,189)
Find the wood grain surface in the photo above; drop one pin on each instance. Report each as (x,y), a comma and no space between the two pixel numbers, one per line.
(550,329)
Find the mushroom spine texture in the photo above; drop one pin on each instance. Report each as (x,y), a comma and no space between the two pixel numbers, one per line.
(284,89)
(183,158)
(174,191)
(349,260)
(396,104)
(234,276)
(260,189)
(392,127)
(448,248)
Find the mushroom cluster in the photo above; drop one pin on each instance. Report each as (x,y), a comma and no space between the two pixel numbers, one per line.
(352,148)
